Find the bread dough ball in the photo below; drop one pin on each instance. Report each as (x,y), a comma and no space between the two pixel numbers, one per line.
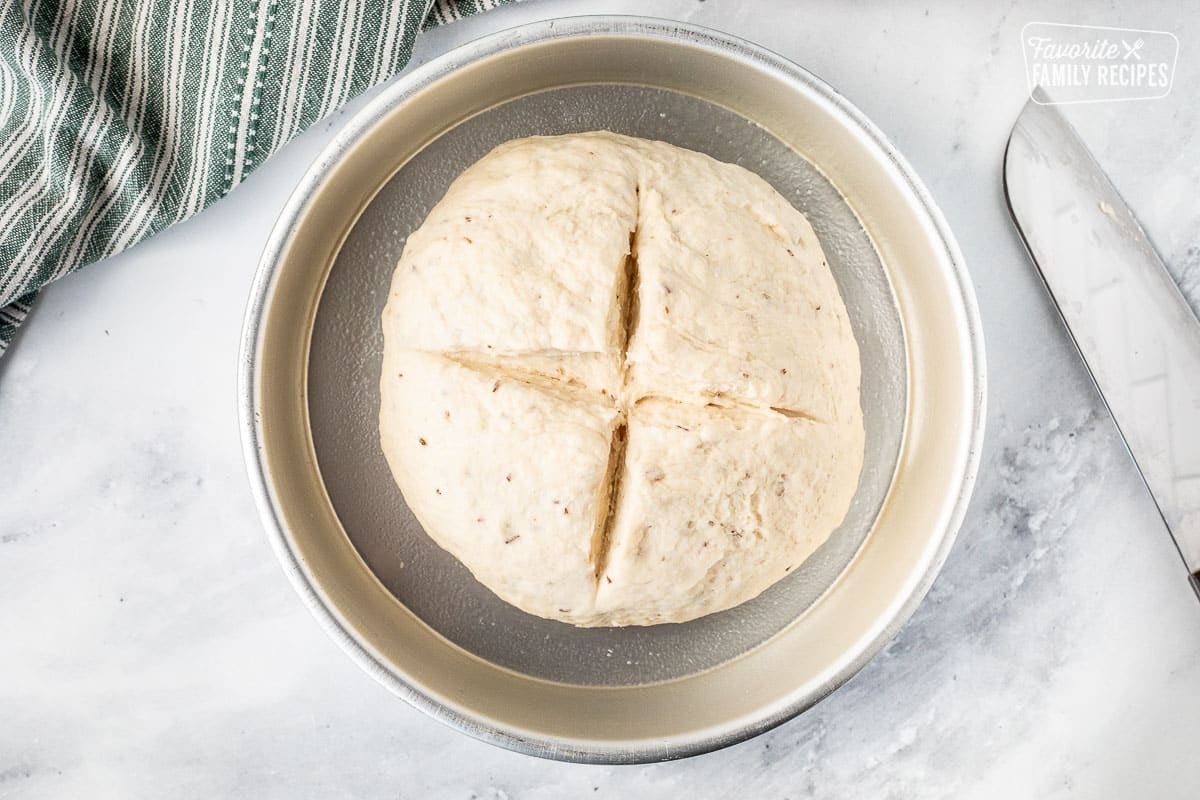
(619,382)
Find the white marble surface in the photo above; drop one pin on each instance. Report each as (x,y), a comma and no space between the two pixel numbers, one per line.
(150,646)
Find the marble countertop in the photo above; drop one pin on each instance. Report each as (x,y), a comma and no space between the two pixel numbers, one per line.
(151,646)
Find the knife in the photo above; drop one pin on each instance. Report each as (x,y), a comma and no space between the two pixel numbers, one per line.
(1127,317)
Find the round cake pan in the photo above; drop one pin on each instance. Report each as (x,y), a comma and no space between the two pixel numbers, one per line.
(414,617)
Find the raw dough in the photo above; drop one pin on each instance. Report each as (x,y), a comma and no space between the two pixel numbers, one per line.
(619,383)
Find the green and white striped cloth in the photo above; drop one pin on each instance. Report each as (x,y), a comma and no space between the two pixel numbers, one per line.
(121,117)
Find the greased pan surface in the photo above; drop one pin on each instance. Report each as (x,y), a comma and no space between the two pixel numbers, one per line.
(408,611)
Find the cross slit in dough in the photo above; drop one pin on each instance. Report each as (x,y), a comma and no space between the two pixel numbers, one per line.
(619,382)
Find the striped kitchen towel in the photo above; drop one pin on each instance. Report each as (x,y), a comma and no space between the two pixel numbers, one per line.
(119,117)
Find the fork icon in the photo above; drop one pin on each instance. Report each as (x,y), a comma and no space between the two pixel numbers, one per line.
(1132,49)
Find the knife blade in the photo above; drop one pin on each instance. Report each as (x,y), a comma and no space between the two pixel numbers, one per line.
(1128,318)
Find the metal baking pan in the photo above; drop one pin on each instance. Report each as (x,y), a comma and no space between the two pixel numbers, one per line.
(409,613)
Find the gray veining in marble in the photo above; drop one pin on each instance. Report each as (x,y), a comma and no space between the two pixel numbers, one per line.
(150,646)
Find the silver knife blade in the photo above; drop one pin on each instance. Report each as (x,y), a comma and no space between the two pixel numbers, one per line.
(1128,318)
